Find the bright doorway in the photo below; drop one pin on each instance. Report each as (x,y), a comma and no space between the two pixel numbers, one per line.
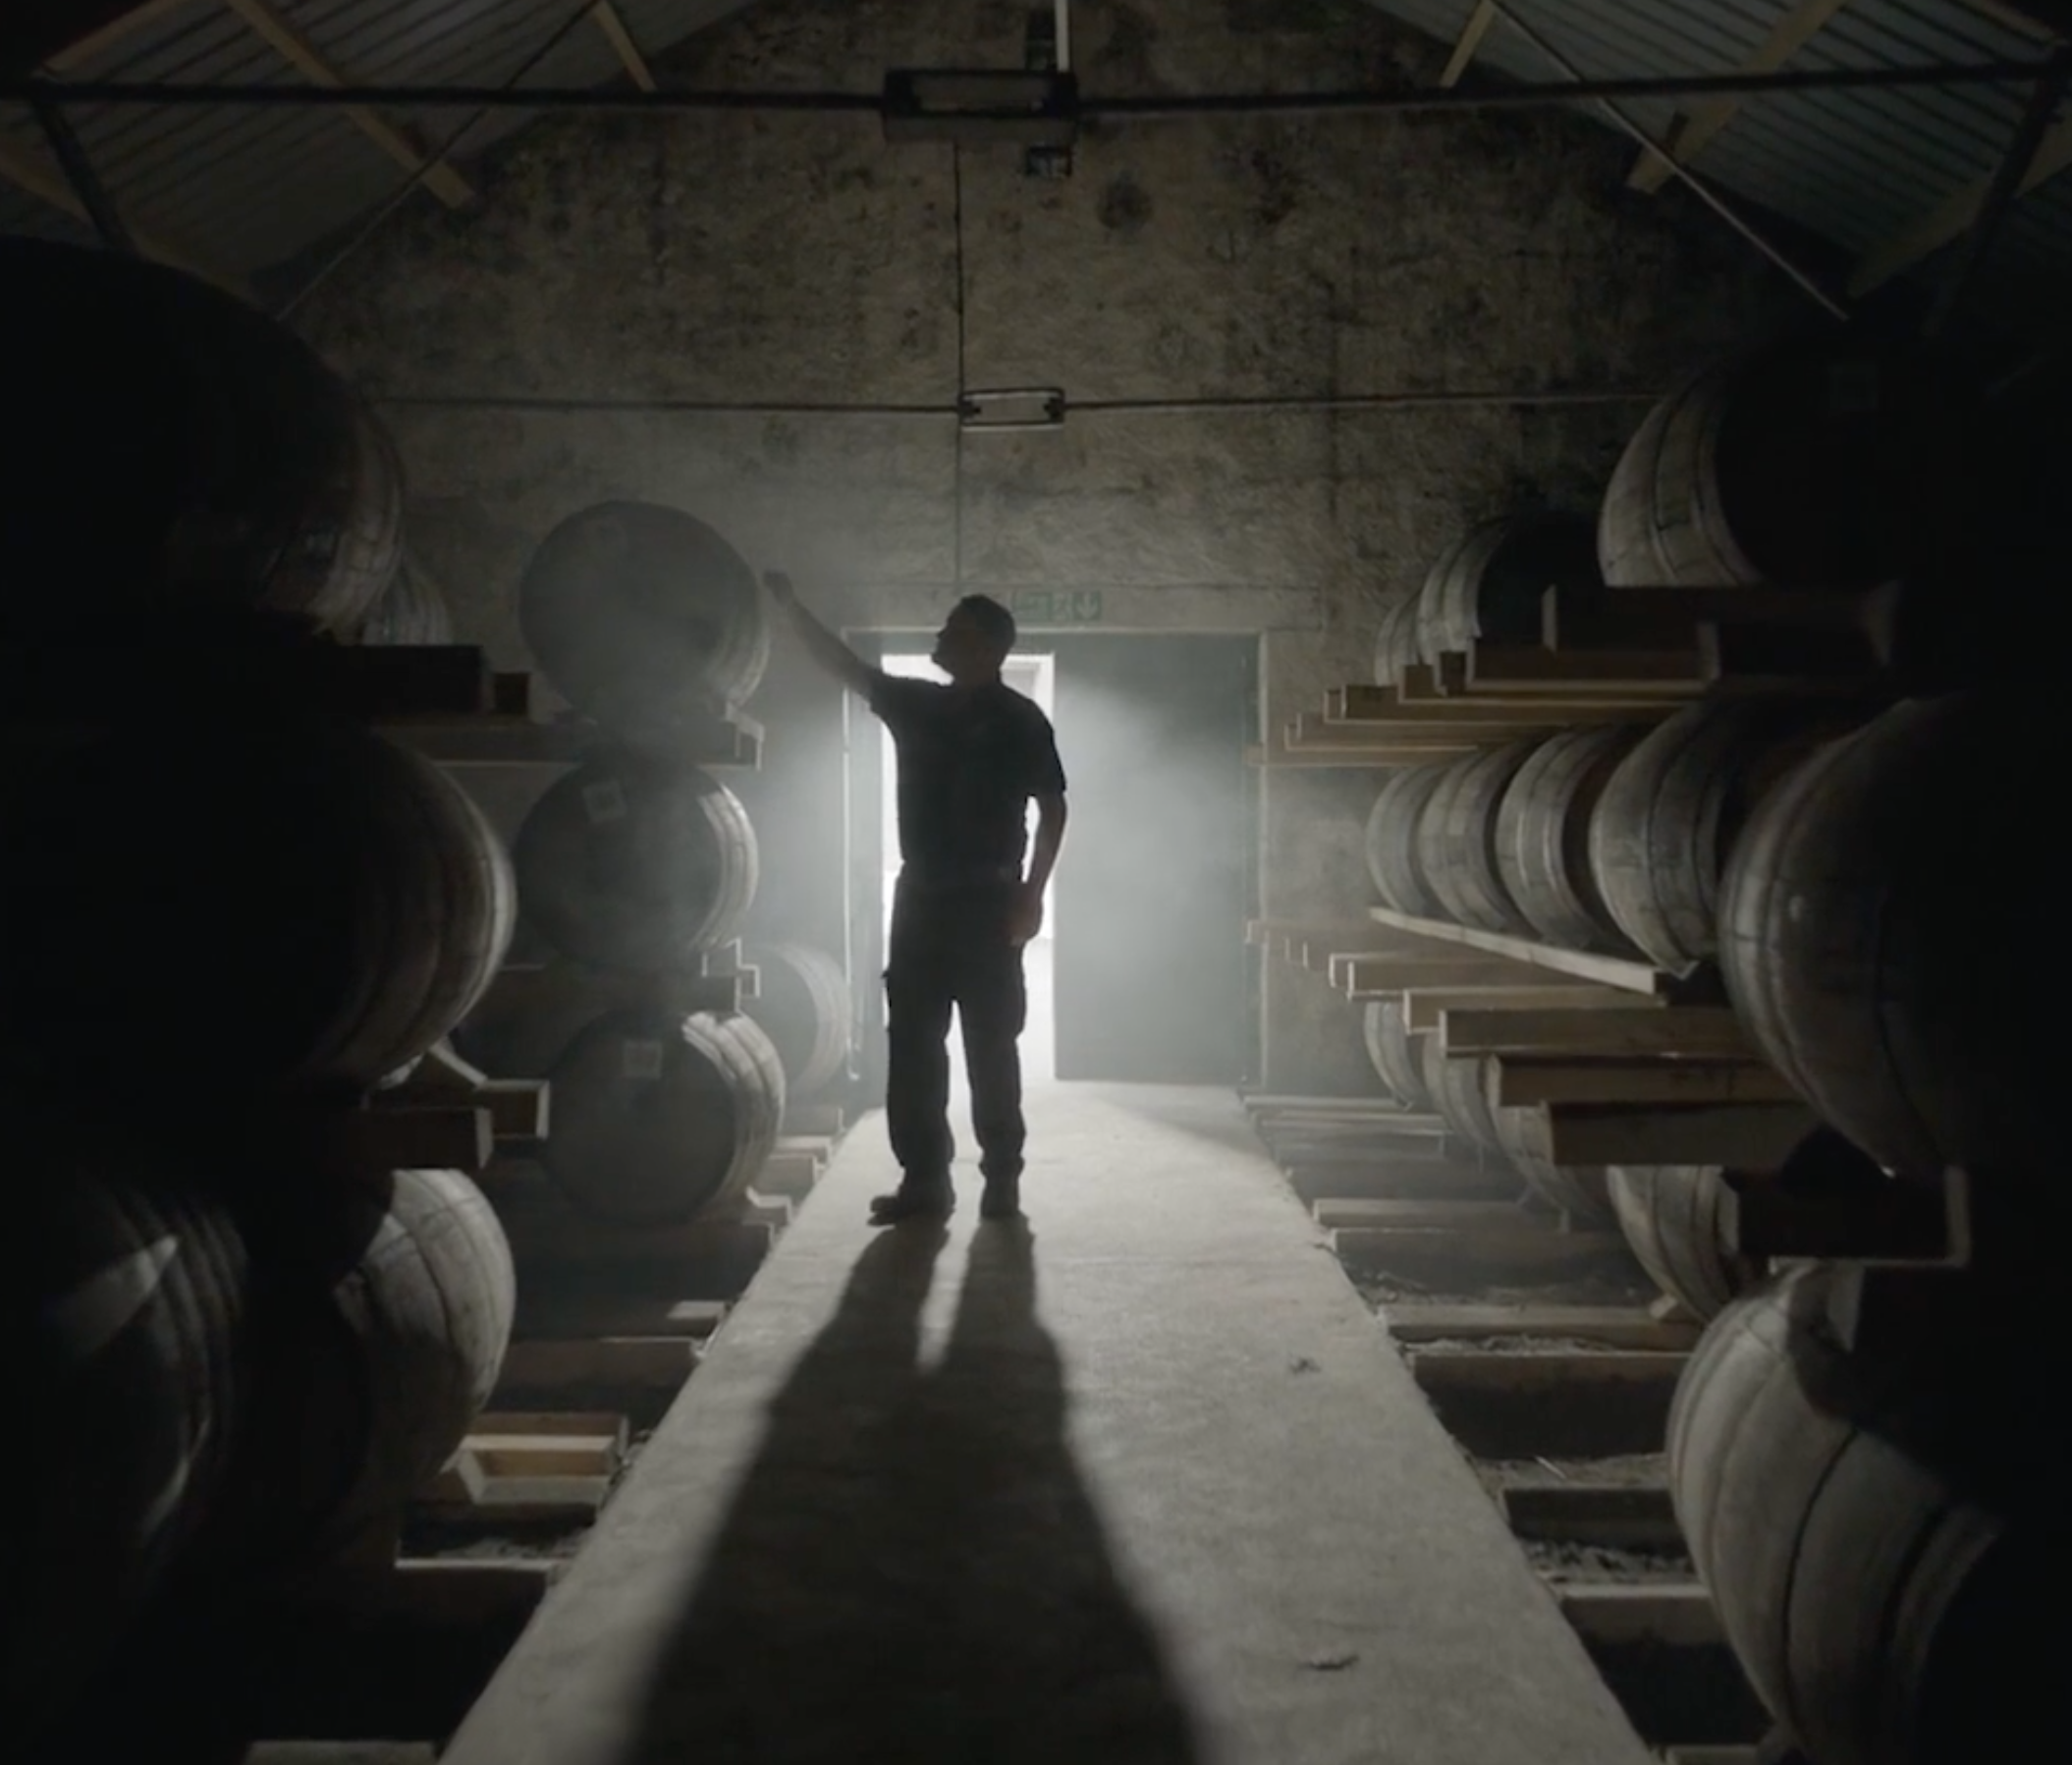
(1035,677)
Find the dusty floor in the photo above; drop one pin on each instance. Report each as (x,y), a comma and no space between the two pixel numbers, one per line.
(1141,1479)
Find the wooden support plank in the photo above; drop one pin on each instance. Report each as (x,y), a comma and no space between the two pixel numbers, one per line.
(1897,1222)
(773,1210)
(1696,1032)
(1589,670)
(1592,1405)
(1953,216)
(1442,1257)
(590,1445)
(1426,1009)
(1381,711)
(1693,129)
(1676,1615)
(623,44)
(1628,973)
(1446,684)
(1616,1516)
(1516,1080)
(1751,1136)
(302,55)
(1470,40)
(791,1175)
(518,1108)
(503,1502)
(1372,974)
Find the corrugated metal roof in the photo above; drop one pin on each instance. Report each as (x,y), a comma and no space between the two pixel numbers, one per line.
(243,189)
(1856,167)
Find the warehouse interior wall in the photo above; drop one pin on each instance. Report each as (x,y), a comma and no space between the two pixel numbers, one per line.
(563,345)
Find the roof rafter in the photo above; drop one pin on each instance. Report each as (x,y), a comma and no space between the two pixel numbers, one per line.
(621,41)
(1471,34)
(304,57)
(1692,129)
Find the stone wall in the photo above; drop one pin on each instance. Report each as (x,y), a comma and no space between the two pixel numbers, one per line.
(733,258)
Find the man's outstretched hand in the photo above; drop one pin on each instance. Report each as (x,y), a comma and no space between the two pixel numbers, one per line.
(1025,917)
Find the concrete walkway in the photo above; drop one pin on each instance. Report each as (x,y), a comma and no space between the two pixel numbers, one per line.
(1142,1480)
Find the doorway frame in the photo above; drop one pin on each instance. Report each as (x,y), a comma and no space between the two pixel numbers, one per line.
(863,744)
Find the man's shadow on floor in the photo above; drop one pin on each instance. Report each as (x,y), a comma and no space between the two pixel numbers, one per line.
(912,1571)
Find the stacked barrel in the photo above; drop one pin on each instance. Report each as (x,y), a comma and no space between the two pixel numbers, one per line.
(1883,935)
(636,868)
(1495,839)
(1860,1452)
(234,910)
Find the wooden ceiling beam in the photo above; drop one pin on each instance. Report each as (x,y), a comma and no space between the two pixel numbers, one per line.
(307,59)
(1692,129)
(621,41)
(1471,34)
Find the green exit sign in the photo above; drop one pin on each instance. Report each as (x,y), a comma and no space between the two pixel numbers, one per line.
(1059,606)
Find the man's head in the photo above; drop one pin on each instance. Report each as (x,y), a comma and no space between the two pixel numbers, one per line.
(975,639)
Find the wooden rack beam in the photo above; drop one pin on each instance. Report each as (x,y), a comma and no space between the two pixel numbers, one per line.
(1585,670)
(1382,710)
(1749,1135)
(1426,1009)
(1695,1031)
(1518,1081)
(1372,976)
(1624,972)
(1446,682)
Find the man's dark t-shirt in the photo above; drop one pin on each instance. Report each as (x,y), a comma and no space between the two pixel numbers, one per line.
(968,765)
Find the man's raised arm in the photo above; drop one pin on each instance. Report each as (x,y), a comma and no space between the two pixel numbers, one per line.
(827,649)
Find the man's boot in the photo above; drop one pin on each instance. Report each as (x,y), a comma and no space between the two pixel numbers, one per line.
(1002,1199)
(929,1198)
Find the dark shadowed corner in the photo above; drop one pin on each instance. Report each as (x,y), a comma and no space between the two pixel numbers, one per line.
(914,1571)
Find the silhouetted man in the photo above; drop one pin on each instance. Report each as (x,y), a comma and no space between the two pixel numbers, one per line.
(971,756)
